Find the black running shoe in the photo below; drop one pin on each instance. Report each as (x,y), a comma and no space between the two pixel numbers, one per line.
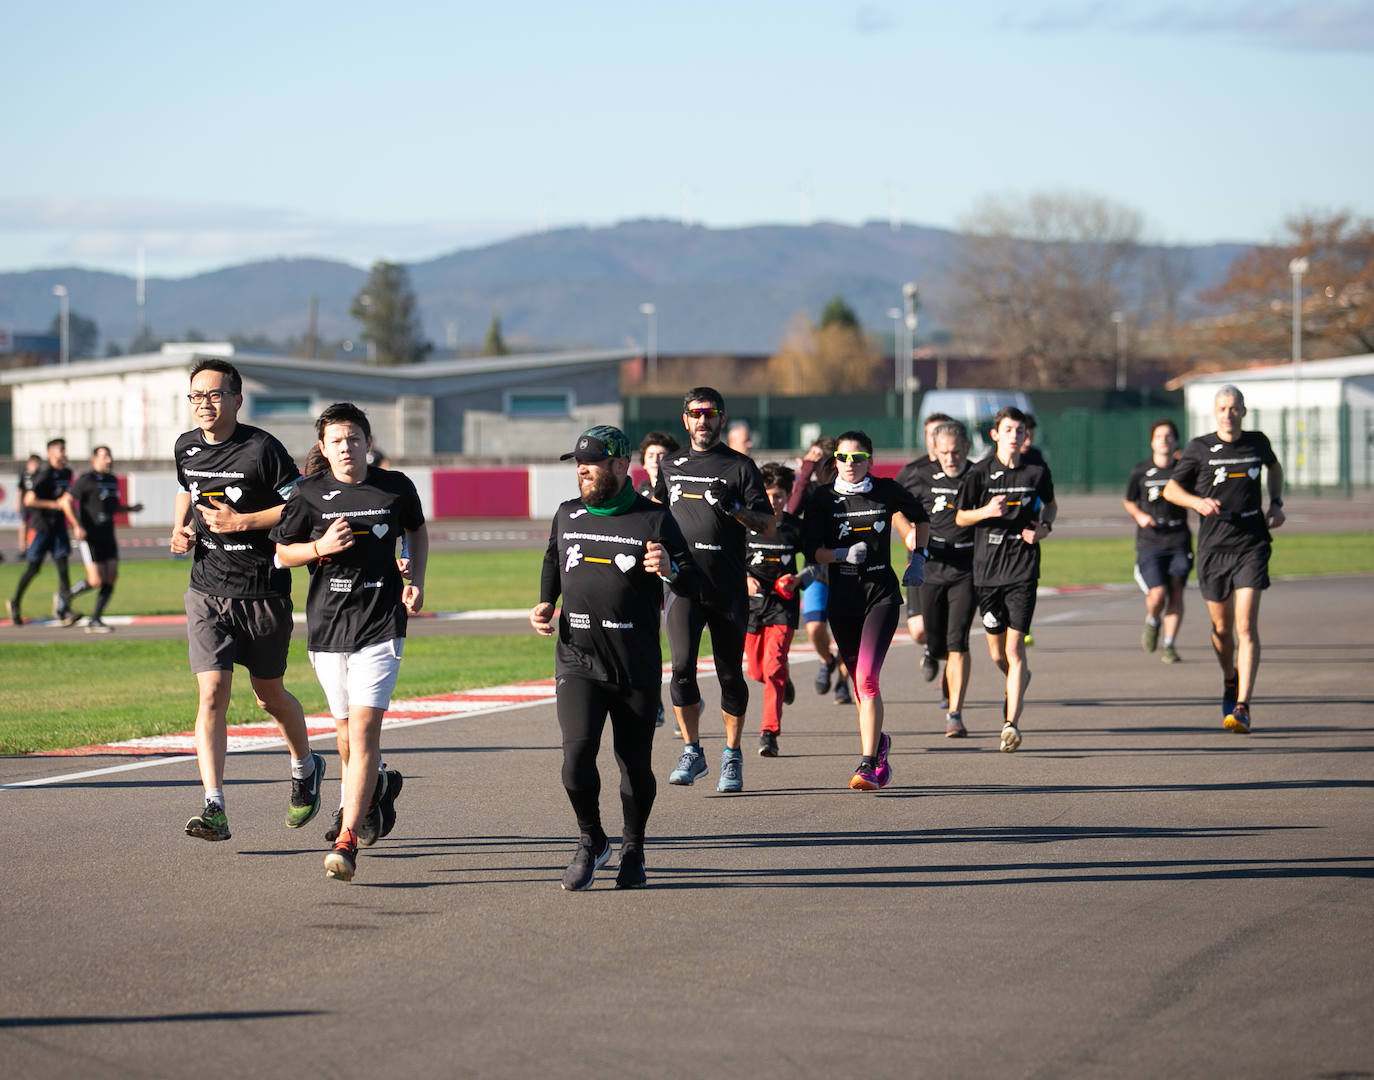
(586,861)
(371,826)
(768,744)
(387,803)
(789,693)
(332,833)
(342,862)
(304,803)
(842,694)
(12,610)
(930,667)
(824,672)
(631,873)
(210,824)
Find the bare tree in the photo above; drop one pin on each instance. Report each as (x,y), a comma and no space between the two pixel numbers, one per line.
(1038,279)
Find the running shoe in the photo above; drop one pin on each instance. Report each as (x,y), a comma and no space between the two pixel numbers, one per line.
(1238,719)
(332,833)
(865,777)
(210,824)
(768,744)
(96,625)
(824,673)
(954,727)
(305,796)
(731,771)
(631,874)
(883,770)
(1011,739)
(658,721)
(371,826)
(343,860)
(12,610)
(387,803)
(1149,638)
(1230,693)
(691,766)
(789,693)
(930,667)
(842,694)
(1169,655)
(1029,639)
(586,861)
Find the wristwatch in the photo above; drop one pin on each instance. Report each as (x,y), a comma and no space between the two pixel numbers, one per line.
(1276,502)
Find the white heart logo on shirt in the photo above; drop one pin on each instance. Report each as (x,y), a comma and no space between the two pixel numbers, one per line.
(624,562)
(234,492)
(1253,474)
(380,530)
(879,526)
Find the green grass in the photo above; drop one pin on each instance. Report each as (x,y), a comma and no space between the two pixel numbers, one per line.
(56,696)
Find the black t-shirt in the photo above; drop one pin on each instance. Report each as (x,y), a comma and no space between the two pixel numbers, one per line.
(1000,556)
(1229,473)
(951,545)
(834,520)
(608,629)
(355,595)
(685,485)
(25,484)
(50,483)
(250,471)
(96,495)
(769,559)
(1145,489)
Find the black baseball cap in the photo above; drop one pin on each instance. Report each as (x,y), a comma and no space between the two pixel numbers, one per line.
(598,443)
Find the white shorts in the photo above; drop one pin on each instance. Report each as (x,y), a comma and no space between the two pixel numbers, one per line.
(364,678)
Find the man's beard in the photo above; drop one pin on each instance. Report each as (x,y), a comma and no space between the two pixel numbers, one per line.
(604,487)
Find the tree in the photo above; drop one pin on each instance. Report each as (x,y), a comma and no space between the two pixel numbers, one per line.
(1338,291)
(390,316)
(145,341)
(83,333)
(494,344)
(829,358)
(838,313)
(1039,279)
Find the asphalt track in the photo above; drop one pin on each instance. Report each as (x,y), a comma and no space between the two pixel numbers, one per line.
(1137,893)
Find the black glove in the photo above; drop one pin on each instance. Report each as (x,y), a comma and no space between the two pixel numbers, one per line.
(719,495)
(915,569)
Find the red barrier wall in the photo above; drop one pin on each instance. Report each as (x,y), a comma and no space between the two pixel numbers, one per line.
(477,493)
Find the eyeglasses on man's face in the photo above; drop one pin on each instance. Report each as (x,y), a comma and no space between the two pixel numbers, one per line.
(214,397)
(701,414)
(850,458)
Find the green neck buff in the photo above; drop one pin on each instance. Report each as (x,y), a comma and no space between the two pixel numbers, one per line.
(617,505)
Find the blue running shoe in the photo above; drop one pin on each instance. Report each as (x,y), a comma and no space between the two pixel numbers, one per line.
(731,771)
(690,766)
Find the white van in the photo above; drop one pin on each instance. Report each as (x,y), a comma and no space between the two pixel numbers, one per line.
(975,409)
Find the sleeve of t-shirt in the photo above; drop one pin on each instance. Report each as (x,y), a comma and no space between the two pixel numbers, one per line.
(293,527)
(411,511)
(550,587)
(971,490)
(1267,455)
(910,506)
(1185,469)
(1045,489)
(279,470)
(752,492)
(1133,485)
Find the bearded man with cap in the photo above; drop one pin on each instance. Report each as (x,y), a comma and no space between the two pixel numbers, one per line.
(609,550)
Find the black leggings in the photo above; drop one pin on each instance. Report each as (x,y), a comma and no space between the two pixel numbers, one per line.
(583,705)
(863,641)
(686,619)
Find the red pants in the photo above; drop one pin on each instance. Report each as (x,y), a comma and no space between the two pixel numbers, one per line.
(765,657)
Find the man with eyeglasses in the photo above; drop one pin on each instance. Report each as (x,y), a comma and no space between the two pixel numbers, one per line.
(716,496)
(235,480)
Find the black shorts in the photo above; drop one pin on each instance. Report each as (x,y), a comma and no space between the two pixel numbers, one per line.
(948,611)
(1007,606)
(1220,573)
(222,631)
(1154,567)
(99,546)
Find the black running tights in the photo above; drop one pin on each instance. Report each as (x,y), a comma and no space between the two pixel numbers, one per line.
(583,705)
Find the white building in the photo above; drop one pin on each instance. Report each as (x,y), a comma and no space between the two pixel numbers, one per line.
(1320,418)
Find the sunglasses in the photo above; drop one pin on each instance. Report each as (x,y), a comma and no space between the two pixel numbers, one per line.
(852,458)
(701,414)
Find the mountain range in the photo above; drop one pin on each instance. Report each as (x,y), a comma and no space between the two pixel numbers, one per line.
(714,290)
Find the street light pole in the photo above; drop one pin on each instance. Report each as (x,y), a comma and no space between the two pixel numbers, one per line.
(60,291)
(651,312)
(1297,268)
(895,314)
(1120,319)
(909,303)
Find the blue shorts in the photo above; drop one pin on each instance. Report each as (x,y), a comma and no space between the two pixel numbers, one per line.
(1155,567)
(815,598)
(55,543)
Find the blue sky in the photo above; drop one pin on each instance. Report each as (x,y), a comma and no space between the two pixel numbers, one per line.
(212,135)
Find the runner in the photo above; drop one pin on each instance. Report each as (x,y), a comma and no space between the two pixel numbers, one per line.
(609,552)
(1163,541)
(848,527)
(653,448)
(947,600)
(773,605)
(1011,506)
(913,477)
(1219,476)
(234,482)
(94,503)
(716,496)
(343,522)
(45,499)
(23,485)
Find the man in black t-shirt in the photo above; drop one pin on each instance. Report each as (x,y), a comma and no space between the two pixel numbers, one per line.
(234,482)
(46,500)
(95,502)
(1011,506)
(716,496)
(912,476)
(1218,476)
(609,553)
(1163,542)
(344,522)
